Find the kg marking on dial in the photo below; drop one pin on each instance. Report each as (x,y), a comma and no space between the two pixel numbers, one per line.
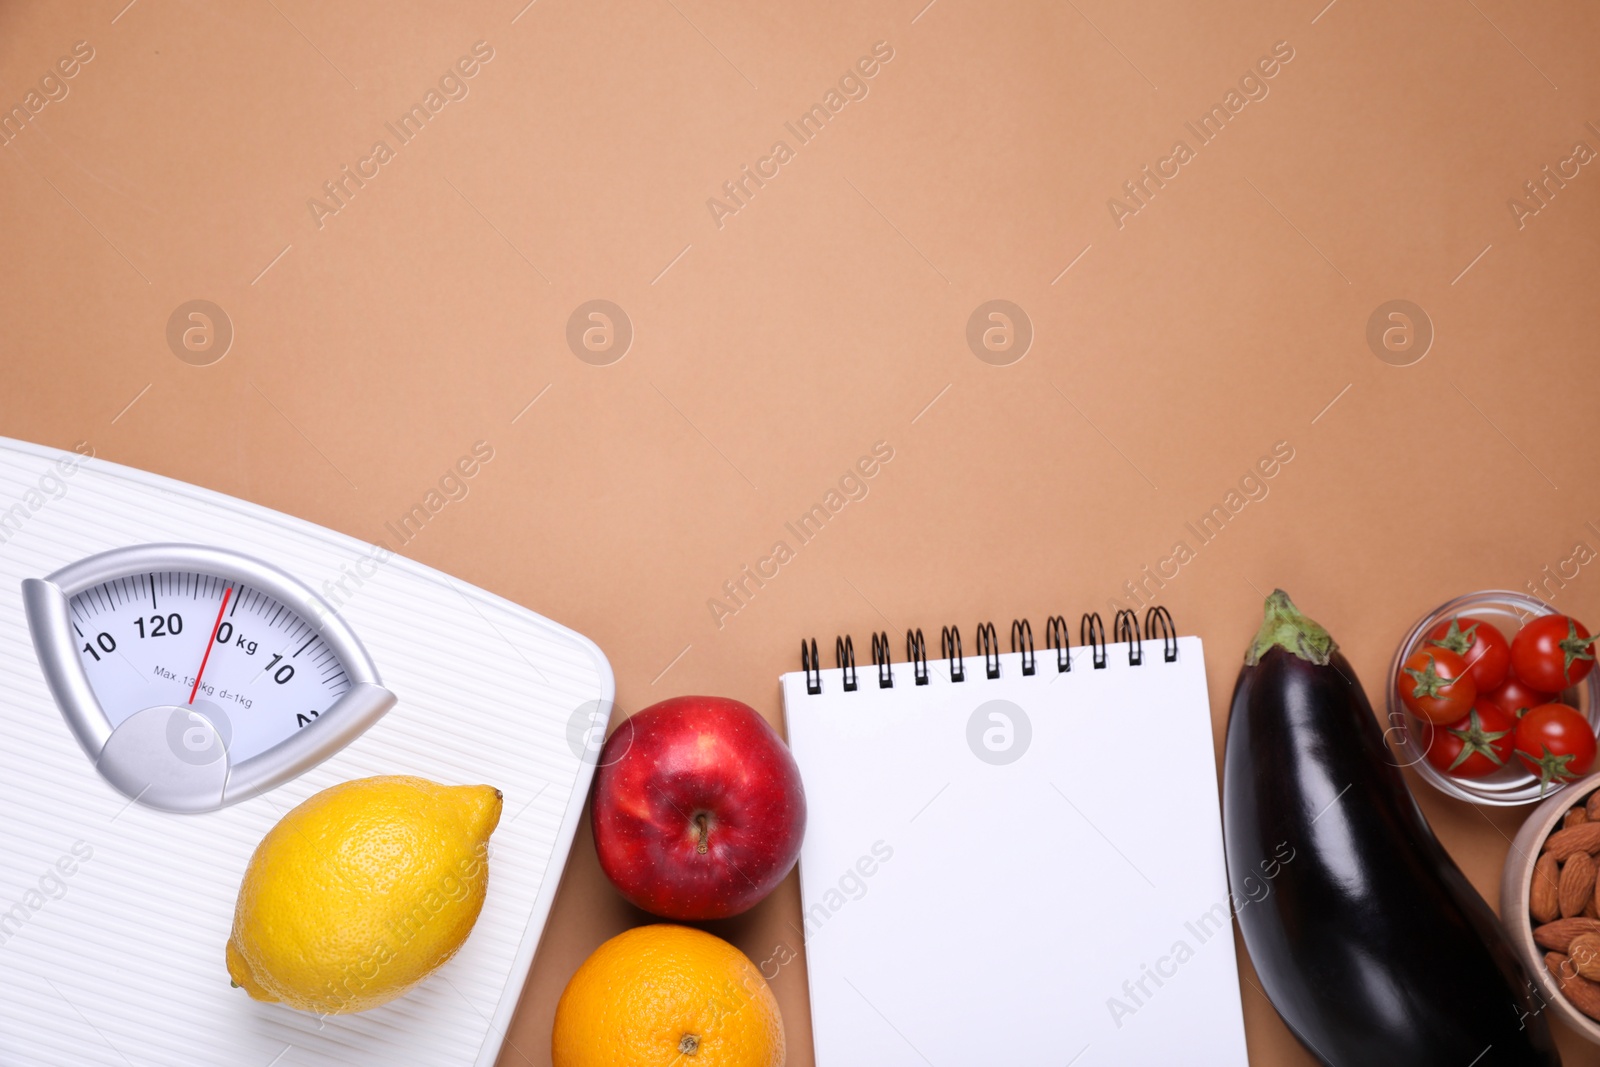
(194,676)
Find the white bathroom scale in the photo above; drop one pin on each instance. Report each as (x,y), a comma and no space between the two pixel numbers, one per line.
(181,669)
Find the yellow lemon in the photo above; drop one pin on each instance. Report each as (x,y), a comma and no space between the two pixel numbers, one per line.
(667,995)
(361,892)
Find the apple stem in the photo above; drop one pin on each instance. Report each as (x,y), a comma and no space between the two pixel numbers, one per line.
(705,833)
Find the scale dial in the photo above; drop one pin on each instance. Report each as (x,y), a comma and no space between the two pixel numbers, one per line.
(194,676)
(247,661)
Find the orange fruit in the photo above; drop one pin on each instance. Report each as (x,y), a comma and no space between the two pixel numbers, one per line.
(665,994)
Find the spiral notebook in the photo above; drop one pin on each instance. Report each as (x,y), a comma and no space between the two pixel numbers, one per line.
(1015,858)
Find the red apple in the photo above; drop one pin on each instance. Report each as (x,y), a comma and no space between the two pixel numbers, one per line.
(698,809)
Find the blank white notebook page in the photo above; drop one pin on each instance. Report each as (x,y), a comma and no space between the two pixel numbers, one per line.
(1019,870)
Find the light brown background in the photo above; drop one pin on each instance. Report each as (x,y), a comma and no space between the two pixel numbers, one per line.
(827,315)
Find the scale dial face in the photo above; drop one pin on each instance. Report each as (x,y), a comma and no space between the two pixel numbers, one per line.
(244,660)
(194,676)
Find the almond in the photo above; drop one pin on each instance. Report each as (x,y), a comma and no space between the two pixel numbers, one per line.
(1592,806)
(1589,911)
(1577,884)
(1585,955)
(1574,839)
(1557,936)
(1544,898)
(1575,817)
(1582,993)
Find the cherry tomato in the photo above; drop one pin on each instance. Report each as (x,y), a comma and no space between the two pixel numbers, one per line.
(1556,743)
(1552,652)
(1515,697)
(1480,643)
(1434,685)
(1478,745)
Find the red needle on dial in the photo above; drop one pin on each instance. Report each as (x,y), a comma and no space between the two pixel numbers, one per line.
(226,593)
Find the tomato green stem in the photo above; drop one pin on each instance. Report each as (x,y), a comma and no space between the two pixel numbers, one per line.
(1456,639)
(1475,740)
(1549,767)
(1429,680)
(1574,648)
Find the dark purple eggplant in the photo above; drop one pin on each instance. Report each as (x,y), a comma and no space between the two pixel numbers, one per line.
(1368,939)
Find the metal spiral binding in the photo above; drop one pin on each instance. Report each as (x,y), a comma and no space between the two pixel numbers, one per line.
(1021,632)
(989,649)
(881,660)
(1126,628)
(950,651)
(1169,631)
(917,655)
(812,666)
(1055,635)
(1092,632)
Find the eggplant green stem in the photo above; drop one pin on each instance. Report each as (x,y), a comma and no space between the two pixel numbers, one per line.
(1286,628)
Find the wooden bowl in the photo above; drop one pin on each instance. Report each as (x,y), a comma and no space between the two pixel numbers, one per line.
(1515,882)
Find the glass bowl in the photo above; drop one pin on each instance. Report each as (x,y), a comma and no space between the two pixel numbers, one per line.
(1513,784)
